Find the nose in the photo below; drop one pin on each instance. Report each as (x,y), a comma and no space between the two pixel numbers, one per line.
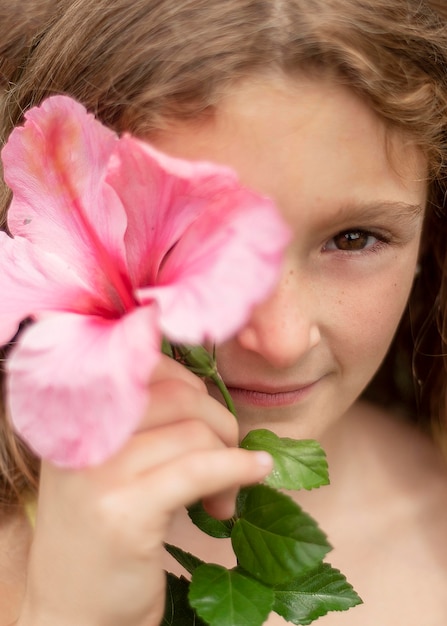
(284,328)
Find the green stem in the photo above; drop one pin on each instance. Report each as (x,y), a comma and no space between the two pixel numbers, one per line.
(217,380)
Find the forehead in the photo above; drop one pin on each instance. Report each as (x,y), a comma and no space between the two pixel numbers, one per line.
(308,142)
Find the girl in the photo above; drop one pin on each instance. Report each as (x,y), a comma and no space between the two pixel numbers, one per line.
(337,109)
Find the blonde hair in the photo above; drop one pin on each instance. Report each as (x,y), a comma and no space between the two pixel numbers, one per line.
(138,64)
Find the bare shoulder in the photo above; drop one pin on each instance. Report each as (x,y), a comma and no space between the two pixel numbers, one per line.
(402,470)
(15,537)
(391,521)
(401,448)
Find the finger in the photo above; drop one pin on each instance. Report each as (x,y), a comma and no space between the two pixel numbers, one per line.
(211,475)
(222,506)
(168,368)
(176,400)
(160,445)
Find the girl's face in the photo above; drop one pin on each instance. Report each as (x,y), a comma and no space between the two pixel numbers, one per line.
(354,197)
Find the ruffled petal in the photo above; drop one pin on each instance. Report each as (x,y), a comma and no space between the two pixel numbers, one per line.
(55,166)
(77,385)
(226,262)
(32,281)
(162,196)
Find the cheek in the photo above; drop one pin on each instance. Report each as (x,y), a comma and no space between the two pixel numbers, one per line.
(367,317)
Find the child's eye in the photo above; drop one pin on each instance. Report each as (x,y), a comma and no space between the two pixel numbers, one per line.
(354,240)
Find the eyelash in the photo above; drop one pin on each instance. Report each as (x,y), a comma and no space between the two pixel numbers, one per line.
(381,241)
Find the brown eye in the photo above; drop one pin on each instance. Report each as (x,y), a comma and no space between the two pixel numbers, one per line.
(352,240)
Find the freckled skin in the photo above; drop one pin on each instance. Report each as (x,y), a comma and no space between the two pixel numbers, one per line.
(334,313)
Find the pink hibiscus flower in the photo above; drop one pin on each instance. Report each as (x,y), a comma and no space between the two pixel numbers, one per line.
(113,246)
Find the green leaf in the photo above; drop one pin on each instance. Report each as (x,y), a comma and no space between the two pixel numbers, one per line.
(314,594)
(299,464)
(178,611)
(273,539)
(187,560)
(225,597)
(166,348)
(208,524)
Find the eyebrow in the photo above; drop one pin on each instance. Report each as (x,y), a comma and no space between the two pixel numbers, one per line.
(380,209)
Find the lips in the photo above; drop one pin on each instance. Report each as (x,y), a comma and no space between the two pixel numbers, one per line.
(259,395)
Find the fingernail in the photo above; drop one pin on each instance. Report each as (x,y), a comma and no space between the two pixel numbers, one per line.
(264,459)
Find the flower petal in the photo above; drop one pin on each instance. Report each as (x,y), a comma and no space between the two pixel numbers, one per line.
(78,385)
(55,166)
(226,262)
(32,281)
(162,196)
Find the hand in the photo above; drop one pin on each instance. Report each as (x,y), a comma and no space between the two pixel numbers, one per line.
(96,558)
